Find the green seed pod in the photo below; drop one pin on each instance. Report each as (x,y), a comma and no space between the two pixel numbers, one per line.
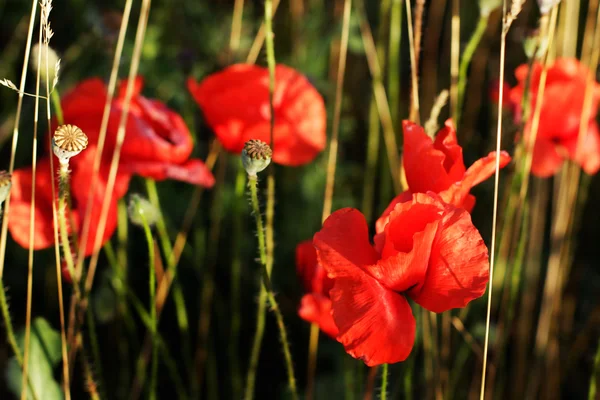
(68,141)
(256,156)
(487,6)
(140,208)
(53,62)
(5,184)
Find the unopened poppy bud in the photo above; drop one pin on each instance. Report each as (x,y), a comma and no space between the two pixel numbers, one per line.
(487,6)
(142,211)
(546,5)
(53,62)
(68,141)
(256,156)
(5,184)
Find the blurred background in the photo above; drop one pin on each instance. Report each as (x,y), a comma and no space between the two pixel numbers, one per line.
(192,39)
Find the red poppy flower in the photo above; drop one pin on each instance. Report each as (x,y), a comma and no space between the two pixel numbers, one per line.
(560,116)
(157,144)
(315,306)
(235,103)
(18,222)
(429,251)
(438,166)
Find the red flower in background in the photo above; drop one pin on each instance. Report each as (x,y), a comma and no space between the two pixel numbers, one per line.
(315,306)
(429,251)
(235,103)
(18,222)
(438,166)
(560,117)
(157,145)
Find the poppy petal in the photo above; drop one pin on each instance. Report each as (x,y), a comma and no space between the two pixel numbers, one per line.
(375,324)
(406,249)
(588,156)
(383,220)
(481,170)
(316,308)
(193,171)
(423,164)
(235,103)
(458,269)
(546,160)
(20,206)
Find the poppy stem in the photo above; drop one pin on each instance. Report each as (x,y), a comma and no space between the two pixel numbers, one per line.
(152,291)
(236,275)
(268,288)
(465,61)
(384,381)
(10,334)
(64,188)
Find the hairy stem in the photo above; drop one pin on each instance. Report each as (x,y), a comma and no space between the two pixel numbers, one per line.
(252,183)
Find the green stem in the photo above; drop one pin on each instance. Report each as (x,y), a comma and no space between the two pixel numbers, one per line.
(93,337)
(57,107)
(10,334)
(252,183)
(63,193)
(256,344)
(153,319)
(236,275)
(594,378)
(466,61)
(384,382)
(394,60)
(178,298)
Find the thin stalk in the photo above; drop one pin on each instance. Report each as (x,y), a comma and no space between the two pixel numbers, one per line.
(495,211)
(595,374)
(414,74)
(135,60)
(466,61)
(337,111)
(383,106)
(236,280)
(93,337)
(15,138)
(64,188)
(61,308)
(10,334)
(31,220)
(329,186)
(208,283)
(313,347)
(152,291)
(393,83)
(236,27)
(252,183)
(90,385)
(374,135)
(256,344)
(454,60)
(112,84)
(384,382)
(167,249)
(55,98)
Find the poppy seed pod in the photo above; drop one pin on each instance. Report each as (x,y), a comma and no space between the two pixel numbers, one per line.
(68,141)
(140,206)
(5,184)
(53,62)
(546,5)
(256,156)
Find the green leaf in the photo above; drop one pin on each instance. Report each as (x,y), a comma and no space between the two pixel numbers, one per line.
(44,355)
